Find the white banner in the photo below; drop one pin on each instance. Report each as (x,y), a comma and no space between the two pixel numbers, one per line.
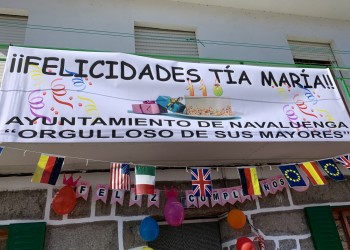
(71,96)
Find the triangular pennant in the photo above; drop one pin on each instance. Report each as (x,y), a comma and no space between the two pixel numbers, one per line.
(118,196)
(216,197)
(203,201)
(191,200)
(82,189)
(153,199)
(135,199)
(101,192)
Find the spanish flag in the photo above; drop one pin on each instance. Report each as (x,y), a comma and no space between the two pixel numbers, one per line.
(249,181)
(48,169)
(311,170)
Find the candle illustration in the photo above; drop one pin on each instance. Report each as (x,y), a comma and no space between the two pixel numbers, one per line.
(203,88)
(190,87)
(217,89)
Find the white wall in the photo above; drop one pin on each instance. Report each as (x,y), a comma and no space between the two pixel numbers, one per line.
(210,23)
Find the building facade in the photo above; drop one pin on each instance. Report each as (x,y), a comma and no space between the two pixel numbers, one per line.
(274,34)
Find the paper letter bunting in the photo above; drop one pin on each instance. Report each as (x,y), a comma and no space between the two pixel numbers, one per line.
(191,200)
(82,189)
(118,196)
(101,192)
(135,199)
(153,199)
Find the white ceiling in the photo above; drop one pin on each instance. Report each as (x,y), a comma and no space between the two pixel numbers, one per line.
(24,160)
(336,9)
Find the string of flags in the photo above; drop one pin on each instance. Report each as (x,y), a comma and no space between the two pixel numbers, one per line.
(49,167)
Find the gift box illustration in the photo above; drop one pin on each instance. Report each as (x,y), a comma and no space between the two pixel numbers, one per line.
(171,104)
(148,107)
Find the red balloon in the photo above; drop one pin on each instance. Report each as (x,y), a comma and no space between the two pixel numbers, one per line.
(244,243)
(64,201)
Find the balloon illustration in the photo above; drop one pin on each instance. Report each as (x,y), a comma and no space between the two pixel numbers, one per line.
(174,212)
(244,243)
(236,219)
(65,200)
(149,229)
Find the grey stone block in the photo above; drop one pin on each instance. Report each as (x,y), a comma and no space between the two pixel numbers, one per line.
(306,244)
(332,192)
(274,223)
(280,199)
(24,204)
(269,245)
(82,209)
(228,233)
(288,244)
(92,236)
(131,235)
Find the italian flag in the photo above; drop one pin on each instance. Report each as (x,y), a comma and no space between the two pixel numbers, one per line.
(145,177)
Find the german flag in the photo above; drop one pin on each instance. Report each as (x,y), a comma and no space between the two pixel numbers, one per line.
(48,169)
(249,181)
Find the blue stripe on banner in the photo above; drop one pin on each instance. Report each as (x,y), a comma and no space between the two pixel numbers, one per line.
(1,149)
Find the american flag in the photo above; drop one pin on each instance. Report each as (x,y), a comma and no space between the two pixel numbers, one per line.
(120,176)
(344,159)
(201,182)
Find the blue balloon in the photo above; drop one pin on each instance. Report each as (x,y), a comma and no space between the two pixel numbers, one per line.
(149,229)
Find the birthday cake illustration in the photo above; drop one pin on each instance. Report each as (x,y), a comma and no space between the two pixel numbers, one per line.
(197,106)
(207,105)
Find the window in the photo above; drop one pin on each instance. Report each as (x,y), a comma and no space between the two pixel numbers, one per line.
(319,54)
(165,42)
(12,31)
(312,53)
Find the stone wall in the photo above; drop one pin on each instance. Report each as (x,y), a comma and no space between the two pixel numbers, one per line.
(96,225)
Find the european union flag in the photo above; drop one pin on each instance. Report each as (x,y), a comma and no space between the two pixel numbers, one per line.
(292,175)
(330,167)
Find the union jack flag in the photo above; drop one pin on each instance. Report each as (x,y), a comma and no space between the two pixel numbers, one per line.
(201,182)
(344,159)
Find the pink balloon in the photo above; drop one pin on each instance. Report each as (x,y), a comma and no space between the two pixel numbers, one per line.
(174,212)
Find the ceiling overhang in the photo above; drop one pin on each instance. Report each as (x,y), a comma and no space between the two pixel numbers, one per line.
(23,157)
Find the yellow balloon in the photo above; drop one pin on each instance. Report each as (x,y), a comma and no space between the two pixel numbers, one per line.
(236,218)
